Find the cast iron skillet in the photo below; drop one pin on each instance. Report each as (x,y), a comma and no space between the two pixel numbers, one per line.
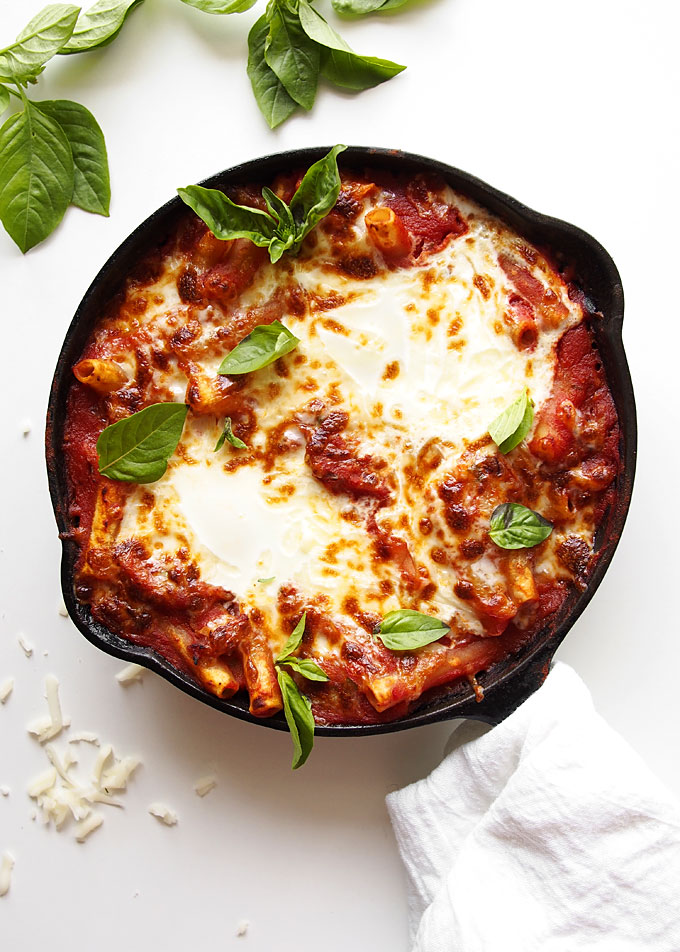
(507,683)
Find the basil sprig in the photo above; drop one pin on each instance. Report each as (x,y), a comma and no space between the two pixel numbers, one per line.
(227,435)
(514,526)
(297,708)
(290,47)
(265,344)
(282,227)
(52,153)
(137,448)
(406,629)
(512,425)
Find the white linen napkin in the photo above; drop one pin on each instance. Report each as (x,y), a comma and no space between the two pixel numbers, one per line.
(548,832)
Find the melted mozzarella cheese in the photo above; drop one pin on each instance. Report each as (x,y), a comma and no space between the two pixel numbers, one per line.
(412,355)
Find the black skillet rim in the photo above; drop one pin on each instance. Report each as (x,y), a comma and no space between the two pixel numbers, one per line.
(507,683)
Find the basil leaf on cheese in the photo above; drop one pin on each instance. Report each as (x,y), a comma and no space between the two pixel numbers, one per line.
(339,63)
(290,53)
(265,344)
(406,629)
(298,713)
(293,642)
(283,227)
(227,220)
(91,185)
(270,93)
(307,668)
(227,435)
(137,449)
(38,42)
(99,25)
(512,425)
(317,193)
(513,526)
(36,176)
(221,6)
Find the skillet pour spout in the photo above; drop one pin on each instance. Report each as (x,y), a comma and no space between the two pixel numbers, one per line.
(509,682)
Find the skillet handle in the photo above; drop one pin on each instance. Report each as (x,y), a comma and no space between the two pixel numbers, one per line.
(507,697)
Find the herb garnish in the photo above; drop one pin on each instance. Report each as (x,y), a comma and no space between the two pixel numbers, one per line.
(265,344)
(297,708)
(137,448)
(282,227)
(290,46)
(513,526)
(52,153)
(406,629)
(227,435)
(512,425)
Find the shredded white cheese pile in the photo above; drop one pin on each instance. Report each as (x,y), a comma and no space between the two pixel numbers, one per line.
(130,673)
(6,867)
(163,813)
(6,688)
(58,792)
(46,728)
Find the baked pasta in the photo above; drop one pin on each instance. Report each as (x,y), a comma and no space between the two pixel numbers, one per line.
(412,480)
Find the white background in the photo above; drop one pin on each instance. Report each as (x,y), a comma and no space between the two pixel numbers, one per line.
(572,108)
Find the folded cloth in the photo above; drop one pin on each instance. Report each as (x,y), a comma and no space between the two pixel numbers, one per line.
(548,832)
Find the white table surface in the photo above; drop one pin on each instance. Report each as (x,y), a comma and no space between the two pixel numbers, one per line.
(571,108)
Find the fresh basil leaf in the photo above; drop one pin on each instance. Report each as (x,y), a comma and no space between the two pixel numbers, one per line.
(38,42)
(284,237)
(339,63)
(307,668)
(513,526)
(225,219)
(405,629)
(221,6)
(317,193)
(270,93)
(351,71)
(137,449)
(99,25)
(265,344)
(298,713)
(291,54)
(36,176)
(278,246)
(293,642)
(91,185)
(265,581)
(279,211)
(4,98)
(228,435)
(512,425)
(357,7)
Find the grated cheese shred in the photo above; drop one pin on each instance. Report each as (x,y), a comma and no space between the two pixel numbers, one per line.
(6,688)
(130,673)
